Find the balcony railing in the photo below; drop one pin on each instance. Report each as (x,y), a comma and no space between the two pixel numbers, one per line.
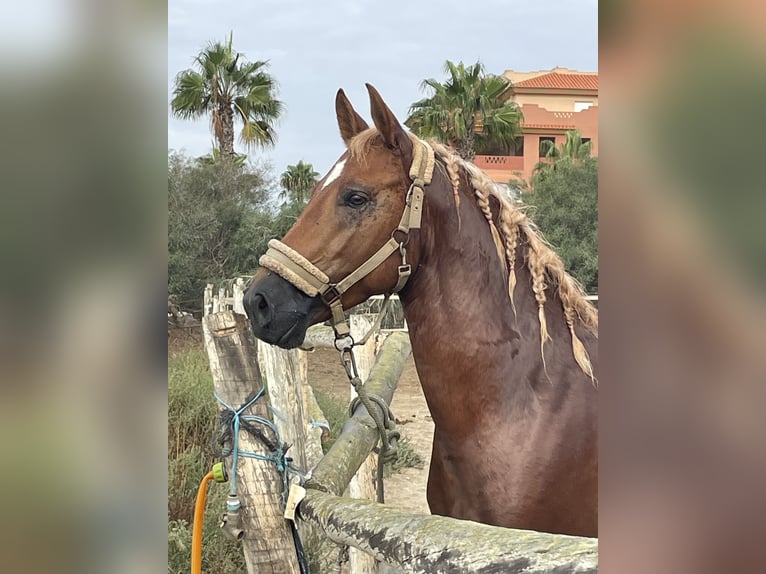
(512,162)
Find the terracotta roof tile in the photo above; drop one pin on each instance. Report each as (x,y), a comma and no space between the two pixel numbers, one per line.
(555,80)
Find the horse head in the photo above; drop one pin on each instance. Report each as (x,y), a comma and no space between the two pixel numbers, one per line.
(352,239)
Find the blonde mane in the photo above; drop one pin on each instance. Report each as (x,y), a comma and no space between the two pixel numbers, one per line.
(545,266)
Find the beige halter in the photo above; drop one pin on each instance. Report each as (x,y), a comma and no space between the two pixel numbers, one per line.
(304,275)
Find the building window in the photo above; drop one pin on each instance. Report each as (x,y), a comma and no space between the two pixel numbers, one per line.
(545,147)
(585,140)
(518,146)
(580,106)
(498,148)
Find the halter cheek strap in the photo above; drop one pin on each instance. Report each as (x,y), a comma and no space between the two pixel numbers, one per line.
(305,276)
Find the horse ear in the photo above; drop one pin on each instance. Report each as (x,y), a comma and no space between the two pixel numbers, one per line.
(387,124)
(349,122)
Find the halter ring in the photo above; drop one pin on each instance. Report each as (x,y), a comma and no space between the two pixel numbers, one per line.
(405,241)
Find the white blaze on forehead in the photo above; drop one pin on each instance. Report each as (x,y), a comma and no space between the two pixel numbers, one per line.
(334,174)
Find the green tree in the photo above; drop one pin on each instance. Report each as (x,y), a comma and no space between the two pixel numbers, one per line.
(227,87)
(573,149)
(566,199)
(467,111)
(218,222)
(297,182)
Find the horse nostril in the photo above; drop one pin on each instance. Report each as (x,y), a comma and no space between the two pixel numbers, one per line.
(257,308)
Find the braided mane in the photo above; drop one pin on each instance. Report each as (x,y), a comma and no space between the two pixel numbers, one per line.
(515,227)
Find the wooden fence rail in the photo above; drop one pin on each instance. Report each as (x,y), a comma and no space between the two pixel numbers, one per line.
(433,544)
(359,435)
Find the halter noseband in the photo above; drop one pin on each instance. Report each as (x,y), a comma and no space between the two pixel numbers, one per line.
(305,276)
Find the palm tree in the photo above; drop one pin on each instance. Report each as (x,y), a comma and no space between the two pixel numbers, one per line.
(466,111)
(227,86)
(297,181)
(573,149)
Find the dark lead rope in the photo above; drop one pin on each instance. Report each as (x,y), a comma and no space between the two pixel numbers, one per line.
(384,419)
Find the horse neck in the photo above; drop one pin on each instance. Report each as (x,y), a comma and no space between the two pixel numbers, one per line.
(462,326)
(459,282)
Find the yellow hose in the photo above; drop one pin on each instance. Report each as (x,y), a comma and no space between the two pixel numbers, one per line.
(199,518)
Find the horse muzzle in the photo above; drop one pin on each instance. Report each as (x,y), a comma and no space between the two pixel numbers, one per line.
(278,312)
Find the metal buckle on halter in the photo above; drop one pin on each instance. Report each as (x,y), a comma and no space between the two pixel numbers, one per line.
(348,360)
(331,294)
(404,274)
(405,240)
(419,183)
(408,197)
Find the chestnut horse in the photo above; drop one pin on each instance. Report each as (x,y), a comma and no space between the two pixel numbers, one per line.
(504,340)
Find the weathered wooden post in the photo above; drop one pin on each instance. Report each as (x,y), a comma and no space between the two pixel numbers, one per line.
(285,373)
(363,484)
(291,400)
(238,296)
(319,337)
(267,543)
(295,413)
(207,300)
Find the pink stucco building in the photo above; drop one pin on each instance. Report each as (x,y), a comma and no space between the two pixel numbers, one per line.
(553,102)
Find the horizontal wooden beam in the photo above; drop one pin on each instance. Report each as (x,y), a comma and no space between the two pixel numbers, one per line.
(319,337)
(359,434)
(423,543)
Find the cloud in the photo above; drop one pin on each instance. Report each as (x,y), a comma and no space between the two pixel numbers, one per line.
(316,48)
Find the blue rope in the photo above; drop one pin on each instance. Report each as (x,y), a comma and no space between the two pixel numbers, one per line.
(276,457)
(276,413)
(319,424)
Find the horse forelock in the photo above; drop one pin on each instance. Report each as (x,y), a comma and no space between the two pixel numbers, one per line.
(515,227)
(361,143)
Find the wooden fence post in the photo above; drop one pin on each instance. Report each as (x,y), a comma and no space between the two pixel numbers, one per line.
(291,400)
(207,300)
(285,373)
(238,296)
(363,484)
(295,413)
(268,545)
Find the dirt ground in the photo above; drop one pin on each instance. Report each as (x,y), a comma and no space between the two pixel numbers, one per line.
(407,488)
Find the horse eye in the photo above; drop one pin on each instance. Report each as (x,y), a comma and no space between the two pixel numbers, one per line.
(356,199)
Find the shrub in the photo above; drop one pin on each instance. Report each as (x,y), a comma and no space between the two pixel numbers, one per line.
(566,198)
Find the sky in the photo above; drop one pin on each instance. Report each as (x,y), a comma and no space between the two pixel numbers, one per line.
(314,48)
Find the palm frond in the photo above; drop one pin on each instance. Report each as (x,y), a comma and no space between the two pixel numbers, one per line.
(190,96)
(466,107)
(257,134)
